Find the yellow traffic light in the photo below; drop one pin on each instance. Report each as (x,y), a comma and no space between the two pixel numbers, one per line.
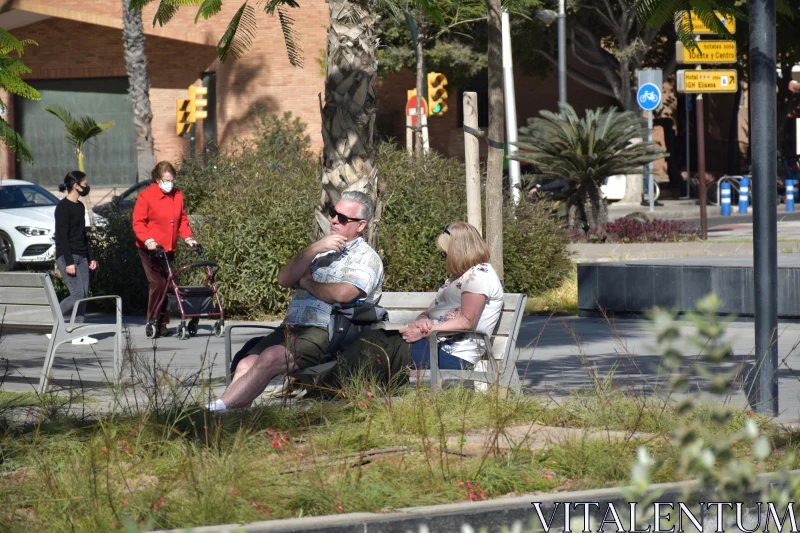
(437,96)
(195,103)
(182,117)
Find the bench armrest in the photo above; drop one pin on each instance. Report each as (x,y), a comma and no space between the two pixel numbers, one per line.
(71,326)
(434,334)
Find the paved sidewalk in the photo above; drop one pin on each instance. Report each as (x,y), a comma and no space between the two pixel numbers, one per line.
(557,355)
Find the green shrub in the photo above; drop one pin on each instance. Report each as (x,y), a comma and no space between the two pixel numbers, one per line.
(252,207)
(421,198)
(120,270)
(252,211)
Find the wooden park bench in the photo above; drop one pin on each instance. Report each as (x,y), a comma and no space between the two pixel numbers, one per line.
(28,304)
(404,307)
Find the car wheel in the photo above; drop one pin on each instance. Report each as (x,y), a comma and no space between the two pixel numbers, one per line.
(8,258)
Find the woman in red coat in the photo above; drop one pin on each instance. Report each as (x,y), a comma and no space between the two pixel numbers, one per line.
(158,218)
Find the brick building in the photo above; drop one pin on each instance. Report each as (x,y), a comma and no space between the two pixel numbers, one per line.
(79,64)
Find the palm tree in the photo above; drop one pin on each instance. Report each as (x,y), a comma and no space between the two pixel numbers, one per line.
(585,152)
(78,132)
(11,69)
(139,88)
(350,106)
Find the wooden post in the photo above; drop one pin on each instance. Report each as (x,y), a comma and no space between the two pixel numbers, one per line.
(472,158)
(409,135)
(425,144)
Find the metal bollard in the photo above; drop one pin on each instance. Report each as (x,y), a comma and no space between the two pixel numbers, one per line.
(744,195)
(790,196)
(725,201)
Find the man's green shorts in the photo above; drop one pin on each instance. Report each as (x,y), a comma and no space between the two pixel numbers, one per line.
(306,343)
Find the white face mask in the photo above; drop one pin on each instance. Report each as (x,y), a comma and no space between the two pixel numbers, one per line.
(166,186)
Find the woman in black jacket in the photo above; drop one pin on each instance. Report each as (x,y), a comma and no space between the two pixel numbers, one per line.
(73,252)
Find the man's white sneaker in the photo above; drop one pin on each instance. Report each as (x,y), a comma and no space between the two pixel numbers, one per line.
(85,340)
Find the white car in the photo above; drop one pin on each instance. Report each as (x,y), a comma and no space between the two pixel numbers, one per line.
(27,224)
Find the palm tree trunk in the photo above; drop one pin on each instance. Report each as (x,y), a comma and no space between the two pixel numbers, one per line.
(86,201)
(349,112)
(494,163)
(139,88)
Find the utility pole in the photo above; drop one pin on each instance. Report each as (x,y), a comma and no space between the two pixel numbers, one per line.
(701,166)
(562,52)
(511,111)
(763,145)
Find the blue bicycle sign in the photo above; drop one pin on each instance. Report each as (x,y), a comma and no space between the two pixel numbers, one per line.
(648,96)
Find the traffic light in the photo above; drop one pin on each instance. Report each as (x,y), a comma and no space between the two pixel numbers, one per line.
(182,117)
(437,96)
(195,103)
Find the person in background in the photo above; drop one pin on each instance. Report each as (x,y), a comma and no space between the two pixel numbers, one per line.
(74,257)
(159,217)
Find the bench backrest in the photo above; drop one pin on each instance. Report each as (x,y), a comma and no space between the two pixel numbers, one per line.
(404,307)
(27,300)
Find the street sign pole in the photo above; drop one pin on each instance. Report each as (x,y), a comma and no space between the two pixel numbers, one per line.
(688,148)
(650,188)
(763,111)
(649,98)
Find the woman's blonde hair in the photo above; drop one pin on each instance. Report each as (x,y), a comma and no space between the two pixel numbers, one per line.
(464,247)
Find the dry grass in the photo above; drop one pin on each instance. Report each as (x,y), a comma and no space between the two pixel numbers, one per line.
(563,300)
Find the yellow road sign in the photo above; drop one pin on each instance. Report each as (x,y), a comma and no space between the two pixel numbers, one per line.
(707,81)
(701,29)
(712,52)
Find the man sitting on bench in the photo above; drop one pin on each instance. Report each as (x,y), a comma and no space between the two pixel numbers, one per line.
(339,268)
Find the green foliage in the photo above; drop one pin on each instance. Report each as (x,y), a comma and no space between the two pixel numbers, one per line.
(242,28)
(79,130)
(11,69)
(656,13)
(535,255)
(120,269)
(593,148)
(252,212)
(423,196)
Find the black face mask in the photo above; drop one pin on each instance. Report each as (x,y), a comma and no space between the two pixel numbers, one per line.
(85,190)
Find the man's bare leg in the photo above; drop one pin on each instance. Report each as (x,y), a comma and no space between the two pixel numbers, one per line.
(244,365)
(271,362)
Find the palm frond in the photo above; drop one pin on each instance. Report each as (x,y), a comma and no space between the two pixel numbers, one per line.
(432,10)
(592,148)
(208,9)
(13,84)
(784,8)
(164,13)
(13,66)
(290,37)
(138,5)
(15,142)
(78,131)
(239,35)
(10,43)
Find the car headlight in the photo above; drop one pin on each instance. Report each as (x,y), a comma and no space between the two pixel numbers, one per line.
(29,231)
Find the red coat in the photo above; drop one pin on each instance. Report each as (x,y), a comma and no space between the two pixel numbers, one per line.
(161,217)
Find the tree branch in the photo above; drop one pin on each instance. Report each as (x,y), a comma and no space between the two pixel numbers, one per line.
(584,80)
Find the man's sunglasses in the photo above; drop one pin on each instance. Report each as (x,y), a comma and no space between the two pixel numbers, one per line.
(343,219)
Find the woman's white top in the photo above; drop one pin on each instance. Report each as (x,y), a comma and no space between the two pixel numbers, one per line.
(480,279)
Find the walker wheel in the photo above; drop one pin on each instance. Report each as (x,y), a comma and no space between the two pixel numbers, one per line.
(183,331)
(192,328)
(151,331)
(218,328)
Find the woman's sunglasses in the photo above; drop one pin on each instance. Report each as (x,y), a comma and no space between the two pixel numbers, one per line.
(446,231)
(343,219)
